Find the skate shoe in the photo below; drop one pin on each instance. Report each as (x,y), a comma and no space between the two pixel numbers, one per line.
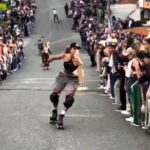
(53,118)
(59,124)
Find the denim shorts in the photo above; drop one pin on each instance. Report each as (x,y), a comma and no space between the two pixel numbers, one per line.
(66,82)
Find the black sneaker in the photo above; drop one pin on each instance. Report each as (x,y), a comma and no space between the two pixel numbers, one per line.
(59,124)
(53,118)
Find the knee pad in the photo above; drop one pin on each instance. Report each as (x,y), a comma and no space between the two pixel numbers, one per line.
(69,101)
(54,98)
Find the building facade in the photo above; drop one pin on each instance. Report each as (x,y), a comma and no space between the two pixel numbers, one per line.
(145,11)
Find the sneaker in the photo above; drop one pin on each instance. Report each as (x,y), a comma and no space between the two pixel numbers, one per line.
(125,112)
(14,70)
(100,87)
(134,124)
(60,123)
(53,118)
(114,103)
(130,119)
(143,109)
(120,109)
(105,88)
(111,98)
(103,94)
(144,127)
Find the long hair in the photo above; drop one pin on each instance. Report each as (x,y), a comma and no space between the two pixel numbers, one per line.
(68,49)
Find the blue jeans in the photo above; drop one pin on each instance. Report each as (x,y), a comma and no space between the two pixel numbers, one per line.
(113,79)
(14,62)
(84,44)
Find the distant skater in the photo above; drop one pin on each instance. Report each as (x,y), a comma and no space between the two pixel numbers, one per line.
(55,16)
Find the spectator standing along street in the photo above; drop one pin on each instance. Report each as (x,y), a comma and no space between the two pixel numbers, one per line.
(66,9)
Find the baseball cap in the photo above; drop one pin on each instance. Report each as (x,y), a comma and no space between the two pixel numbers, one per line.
(111,42)
(75,45)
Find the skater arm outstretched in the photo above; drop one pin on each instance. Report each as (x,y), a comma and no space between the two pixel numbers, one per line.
(55,57)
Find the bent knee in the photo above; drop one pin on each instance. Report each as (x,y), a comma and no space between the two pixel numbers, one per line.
(69,101)
(54,97)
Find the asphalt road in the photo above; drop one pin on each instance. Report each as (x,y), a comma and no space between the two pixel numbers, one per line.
(91,124)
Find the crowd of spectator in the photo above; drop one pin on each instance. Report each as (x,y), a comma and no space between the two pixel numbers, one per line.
(19,20)
(122,60)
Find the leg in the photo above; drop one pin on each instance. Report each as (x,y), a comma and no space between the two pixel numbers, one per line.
(54,97)
(123,93)
(70,91)
(113,79)
(54,18)
(47,63)
(148,107)
(22,52)
(57,18)
(117,91)
(98,60)
(43,60)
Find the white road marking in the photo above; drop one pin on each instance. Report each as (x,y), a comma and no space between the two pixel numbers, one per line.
(26,42)
(82,88)
(86,116)
(30,79)
(56,6)
(49,79)
(18,114)
(65,39)
(49,82)
(77,115)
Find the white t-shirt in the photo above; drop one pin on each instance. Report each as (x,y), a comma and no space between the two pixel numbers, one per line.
(20,43)
(129,69)
(54,12)
(111,64)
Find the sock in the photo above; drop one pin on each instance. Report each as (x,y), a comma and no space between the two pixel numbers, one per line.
(63,112)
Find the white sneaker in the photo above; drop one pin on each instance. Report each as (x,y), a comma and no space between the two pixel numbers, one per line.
(111,97)
(144,128)
(114,103)
(100,87)
(15,69)
(136,125)
(143,108)
(106,91)
(125,112)
(105,88)
(130,119)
